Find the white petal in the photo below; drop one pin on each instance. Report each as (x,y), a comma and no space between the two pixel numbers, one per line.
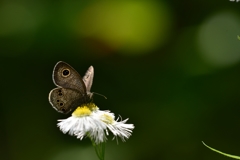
(96,126)
(84,126)
(118,128)
(121,129)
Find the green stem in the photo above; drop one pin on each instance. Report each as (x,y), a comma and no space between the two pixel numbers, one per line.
(99,149)
(225,154)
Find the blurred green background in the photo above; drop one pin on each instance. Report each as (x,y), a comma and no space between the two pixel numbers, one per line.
(172,67)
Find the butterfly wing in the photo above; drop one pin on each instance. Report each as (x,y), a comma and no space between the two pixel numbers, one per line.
(65,100)
(67,77)
(88,79)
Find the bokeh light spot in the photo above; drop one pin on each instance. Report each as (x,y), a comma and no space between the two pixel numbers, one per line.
(73,153)
(132,26)
(217,39)
(15,18)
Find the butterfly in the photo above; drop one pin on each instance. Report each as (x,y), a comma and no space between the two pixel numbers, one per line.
(72,90)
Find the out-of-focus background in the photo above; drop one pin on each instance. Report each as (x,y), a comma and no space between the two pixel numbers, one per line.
(172,67)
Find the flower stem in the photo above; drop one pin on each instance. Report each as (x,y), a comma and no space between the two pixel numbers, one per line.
(225,154)
(99,149)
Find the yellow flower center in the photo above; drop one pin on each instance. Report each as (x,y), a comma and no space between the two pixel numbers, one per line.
(107,119)
(91,106)
(84,110)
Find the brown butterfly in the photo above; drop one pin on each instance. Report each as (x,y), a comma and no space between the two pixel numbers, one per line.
(72,91)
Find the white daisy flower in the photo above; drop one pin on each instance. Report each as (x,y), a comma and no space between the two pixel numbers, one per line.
(88,120)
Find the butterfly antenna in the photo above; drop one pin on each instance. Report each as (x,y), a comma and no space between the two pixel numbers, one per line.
(100,95)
